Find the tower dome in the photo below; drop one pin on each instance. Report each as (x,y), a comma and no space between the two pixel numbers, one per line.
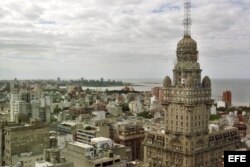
(206,82)
(187,42)
(187,49)
(167,82)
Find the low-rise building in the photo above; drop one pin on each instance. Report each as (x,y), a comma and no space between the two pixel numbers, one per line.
(52,158)
(87,132)
(68,127)
(27,159)
(97,155)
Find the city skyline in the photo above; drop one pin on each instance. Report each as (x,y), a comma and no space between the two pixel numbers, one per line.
(119,38)
(64,102)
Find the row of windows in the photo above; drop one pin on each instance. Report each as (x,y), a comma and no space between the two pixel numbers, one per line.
(179,108)
(187,99)
(199,117)
(178,129)
(179,92)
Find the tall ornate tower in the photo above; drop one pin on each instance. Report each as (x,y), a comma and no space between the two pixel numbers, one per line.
(187,99)
(186,141)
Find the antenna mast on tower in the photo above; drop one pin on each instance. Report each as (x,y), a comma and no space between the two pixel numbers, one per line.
(187,22)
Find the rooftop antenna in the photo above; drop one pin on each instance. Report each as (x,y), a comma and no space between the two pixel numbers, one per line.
(187,22)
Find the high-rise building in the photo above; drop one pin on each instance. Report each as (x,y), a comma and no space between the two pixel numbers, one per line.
(2,138)
(131,135)
(158,93)
(155,92)
(14,97)
(227,98)
(21,140)
(23,105)
(186,141)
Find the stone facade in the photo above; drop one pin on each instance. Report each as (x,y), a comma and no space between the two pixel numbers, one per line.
(158,152)
(187,102)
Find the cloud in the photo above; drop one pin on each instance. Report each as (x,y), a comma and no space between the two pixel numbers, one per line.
(119,38)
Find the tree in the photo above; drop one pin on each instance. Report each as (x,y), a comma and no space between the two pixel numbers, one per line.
(124,107)
(214,117)
(145,114)
(57,110)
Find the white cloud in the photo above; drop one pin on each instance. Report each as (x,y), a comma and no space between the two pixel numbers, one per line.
(119,38)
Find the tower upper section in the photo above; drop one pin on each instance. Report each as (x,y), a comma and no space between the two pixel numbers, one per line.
(187,71)
(187,65)
(187,50)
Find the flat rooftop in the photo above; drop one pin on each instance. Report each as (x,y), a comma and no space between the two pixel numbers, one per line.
(82,145)
(69,123)
(98,139)
(43,163)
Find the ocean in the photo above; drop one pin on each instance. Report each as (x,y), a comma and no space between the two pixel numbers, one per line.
(240,88)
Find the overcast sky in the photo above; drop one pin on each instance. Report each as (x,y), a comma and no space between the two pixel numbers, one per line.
(120,38)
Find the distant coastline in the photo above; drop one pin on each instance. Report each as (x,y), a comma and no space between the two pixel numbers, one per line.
(240,88)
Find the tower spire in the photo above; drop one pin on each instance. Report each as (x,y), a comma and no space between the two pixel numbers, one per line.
(187,22)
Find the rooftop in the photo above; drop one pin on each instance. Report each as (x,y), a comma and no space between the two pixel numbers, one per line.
(43,163)
(69,123)
(98,139)
(82,145)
